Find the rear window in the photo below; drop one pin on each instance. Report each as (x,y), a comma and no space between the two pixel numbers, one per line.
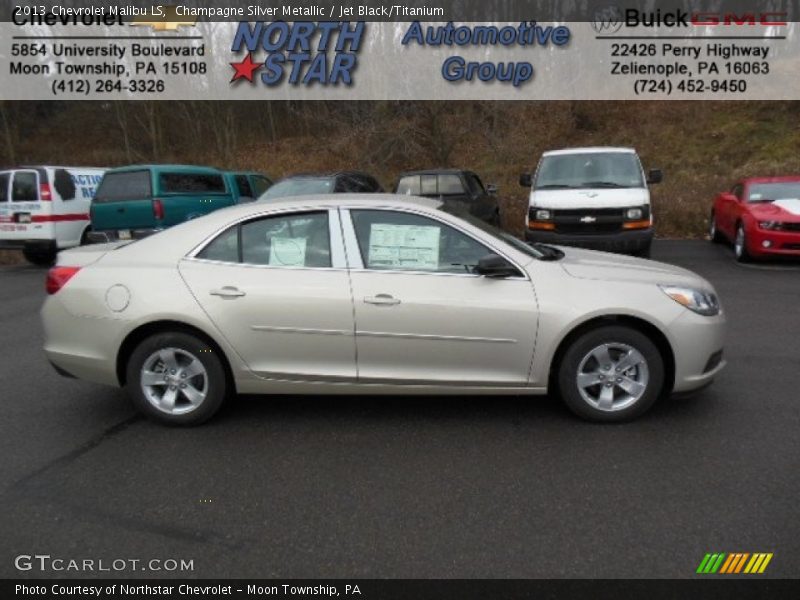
(24,187)
(445,184)
(130,185)
(191,183)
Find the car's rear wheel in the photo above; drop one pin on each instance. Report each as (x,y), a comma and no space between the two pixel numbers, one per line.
(714,234)
(176,378)
(740,245)
(40,258)
(611,373)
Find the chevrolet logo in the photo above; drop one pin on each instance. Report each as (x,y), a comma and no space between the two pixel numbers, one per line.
(588,219)
(167,21)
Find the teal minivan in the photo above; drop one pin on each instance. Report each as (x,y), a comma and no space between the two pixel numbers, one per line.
(135,201)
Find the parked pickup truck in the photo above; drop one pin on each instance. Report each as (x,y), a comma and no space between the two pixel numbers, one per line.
(455,187)
(138,200)
(591,197)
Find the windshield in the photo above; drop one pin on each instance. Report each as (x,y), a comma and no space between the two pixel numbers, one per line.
(589,170)
(767,192)
(491,230)
(304,186)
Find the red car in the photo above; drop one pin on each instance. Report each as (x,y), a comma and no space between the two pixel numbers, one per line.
(760,216)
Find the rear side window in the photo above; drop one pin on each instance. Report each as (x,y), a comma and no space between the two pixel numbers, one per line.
(23,187)
(191,183)
(129,185)
(244,186)
(4,181)
(260,185)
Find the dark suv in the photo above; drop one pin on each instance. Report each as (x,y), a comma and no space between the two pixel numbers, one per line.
(353,182)
(455,187)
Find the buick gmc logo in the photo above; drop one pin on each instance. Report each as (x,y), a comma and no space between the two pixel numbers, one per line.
(609,20)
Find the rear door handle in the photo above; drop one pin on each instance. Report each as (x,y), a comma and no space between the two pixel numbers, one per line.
(228,292)
(382,300)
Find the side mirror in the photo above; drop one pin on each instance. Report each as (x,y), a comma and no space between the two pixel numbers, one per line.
(491,188)
(495,267)
(655,176)
(525,180)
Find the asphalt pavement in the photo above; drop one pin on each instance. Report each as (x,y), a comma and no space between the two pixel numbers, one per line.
(413,487)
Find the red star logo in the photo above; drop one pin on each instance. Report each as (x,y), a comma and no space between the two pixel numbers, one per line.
(244,69)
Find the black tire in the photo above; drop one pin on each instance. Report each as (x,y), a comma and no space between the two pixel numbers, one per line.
(214,378)
(40,258)
(568,371)
(645,251)
(714,233)
(741,253)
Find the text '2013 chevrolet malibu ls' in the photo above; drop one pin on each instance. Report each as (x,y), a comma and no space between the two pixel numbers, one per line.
(374,295)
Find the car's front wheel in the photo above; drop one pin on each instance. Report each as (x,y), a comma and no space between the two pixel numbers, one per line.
(740,245)
(176,378)
(612,373)
(714,233)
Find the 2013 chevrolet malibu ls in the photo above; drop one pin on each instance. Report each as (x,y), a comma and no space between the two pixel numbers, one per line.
(374,295)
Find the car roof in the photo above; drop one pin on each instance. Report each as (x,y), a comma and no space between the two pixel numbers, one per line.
(589,150)
(325,175)
(434,172)
(776,179)
(171,167)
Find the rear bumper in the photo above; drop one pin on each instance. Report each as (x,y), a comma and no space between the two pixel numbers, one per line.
(624,241)
(43,246)
(113,235)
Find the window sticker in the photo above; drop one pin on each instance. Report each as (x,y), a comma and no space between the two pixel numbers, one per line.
(404,247)
(287,252)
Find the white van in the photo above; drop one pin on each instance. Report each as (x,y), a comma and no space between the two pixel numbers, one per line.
(45,209)
(591,197)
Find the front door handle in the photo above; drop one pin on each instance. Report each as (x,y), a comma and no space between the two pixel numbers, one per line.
(228,292)
(382,300)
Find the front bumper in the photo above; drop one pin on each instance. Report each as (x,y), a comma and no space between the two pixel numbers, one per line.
(633,241)
(781,243)
(697,342)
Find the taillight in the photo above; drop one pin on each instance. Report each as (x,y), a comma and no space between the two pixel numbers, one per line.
(57,278)
(44,192)
(158,209)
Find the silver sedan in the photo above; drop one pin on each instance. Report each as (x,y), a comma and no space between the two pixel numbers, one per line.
(374,295)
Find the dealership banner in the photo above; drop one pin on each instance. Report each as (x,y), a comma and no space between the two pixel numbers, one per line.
(393,51)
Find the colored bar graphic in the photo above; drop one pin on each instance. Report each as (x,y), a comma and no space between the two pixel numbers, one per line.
(734,563)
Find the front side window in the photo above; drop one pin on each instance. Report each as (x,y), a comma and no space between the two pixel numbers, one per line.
(5,179)
(260,185)
(24,187)
(191,183)
(399,241)
(297,240)
(129,185)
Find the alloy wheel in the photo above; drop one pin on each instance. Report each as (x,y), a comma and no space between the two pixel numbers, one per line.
(612,377)
(174,381)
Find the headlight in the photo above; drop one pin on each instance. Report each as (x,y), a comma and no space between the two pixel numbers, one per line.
(772,225)
(700,301)
(543,215)
(633,214)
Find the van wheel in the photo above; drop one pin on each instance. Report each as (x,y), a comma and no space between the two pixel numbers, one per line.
(40,258)
(612,373)
(176,378)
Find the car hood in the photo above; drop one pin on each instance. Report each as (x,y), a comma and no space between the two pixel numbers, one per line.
(590,198)
(589,264)
(785,210)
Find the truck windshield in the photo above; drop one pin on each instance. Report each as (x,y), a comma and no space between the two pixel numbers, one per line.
(589,170)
